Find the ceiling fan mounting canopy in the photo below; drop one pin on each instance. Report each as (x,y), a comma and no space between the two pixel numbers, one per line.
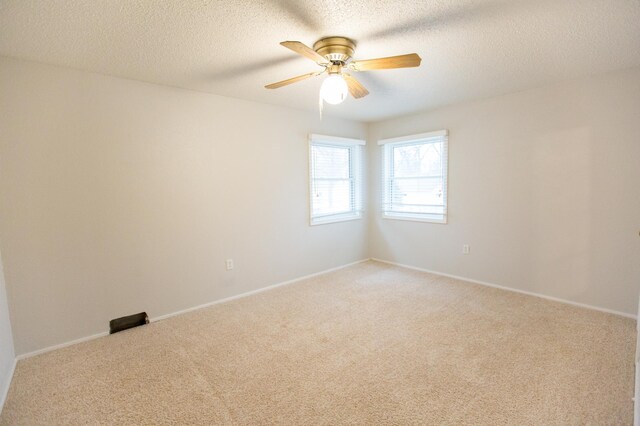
(335,49)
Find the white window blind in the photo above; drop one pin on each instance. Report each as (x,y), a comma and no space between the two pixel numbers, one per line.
(335,166)
(415,177)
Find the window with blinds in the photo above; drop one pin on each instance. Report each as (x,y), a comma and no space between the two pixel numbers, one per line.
(335,168)
(415,177)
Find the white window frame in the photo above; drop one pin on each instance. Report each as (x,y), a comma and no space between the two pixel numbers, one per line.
(387,171)
(356,157)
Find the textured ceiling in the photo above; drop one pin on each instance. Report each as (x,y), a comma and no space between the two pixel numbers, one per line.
(470,49)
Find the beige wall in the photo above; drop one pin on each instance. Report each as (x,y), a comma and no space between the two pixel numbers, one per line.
(543,184)
(7,355)
(118,197)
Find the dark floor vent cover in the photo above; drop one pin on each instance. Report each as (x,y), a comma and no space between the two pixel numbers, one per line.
(125,323)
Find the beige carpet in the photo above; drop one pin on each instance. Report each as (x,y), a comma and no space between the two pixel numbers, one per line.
(370,344)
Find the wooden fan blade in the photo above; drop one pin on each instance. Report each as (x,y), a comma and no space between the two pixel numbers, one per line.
(356,89)
(306,51)
(291,80)
(402,61)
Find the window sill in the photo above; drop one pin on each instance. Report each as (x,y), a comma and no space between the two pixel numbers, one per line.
(315,222)
(416,218)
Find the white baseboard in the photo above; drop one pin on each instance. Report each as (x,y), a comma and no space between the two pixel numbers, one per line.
(528,293)
(61,345)
(636,388)
(184,311)
(5,386)
(250,293)
(636,400)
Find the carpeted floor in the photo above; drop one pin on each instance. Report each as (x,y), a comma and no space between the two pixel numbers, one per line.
(369,344)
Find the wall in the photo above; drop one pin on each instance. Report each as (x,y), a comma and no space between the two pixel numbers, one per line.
(7,355)
(544,186)
(118,196)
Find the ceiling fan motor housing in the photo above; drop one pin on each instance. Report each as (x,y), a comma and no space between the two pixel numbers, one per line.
(335,49)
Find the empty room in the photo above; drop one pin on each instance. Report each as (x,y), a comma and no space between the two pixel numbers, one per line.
(319,212)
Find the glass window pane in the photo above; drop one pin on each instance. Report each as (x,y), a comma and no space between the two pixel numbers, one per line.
(331,197)
(417,160)
(416,194)
(416,179)
(330,162)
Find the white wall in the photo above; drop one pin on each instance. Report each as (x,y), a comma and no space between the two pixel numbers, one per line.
(543,184)
(119,196)
(7,355)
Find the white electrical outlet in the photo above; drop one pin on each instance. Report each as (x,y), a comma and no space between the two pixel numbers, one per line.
(466,249)
(229,264)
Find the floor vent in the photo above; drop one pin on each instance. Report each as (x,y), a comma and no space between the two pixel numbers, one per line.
(125,323)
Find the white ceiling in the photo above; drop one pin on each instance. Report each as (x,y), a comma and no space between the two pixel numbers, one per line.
(470,48)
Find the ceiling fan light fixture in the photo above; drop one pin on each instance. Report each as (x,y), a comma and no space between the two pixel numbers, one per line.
(334,89)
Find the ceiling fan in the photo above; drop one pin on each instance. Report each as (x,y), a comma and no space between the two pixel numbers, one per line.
(335,54)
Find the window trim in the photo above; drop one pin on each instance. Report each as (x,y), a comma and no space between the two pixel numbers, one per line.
(415,138)
(355,172)
(435,136)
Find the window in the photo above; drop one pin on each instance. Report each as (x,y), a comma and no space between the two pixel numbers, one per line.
(415,177)
(335,166)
